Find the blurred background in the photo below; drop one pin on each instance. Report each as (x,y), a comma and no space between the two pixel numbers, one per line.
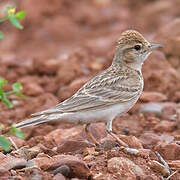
(64,43)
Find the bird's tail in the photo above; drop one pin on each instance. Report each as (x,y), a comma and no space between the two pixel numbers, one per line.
(37,120)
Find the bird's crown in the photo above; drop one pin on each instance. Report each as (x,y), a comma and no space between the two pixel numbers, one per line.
(131,37)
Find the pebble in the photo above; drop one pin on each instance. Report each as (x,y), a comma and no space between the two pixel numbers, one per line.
(73,146)
(4,173)
(152,108)
(169,151)
(61,135)
(124,167)
(152,97)
(59,176)
(108,144)
(174,164)
(78,168)
(165,126)
(149,140)
(64,170)
(9,162)
(27,153)
(33,89)
(132,141)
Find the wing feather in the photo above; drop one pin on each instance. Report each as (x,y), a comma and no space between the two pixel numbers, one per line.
(105,89)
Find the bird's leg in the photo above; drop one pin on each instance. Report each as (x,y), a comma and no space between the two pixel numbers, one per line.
(117,139)
(88,132)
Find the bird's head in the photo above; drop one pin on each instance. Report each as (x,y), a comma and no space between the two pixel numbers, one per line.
(133,49)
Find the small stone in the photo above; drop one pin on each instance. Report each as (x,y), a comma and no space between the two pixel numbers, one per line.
(151,108)
(61,135)
(126,131)
(132,141)
(124,167)
(73,146)
(108,144)
(88,158)
(64,170)
(148,177)
(102,3)
(59,176)
(10,162)
(4,173)
(174,164)
(90,151)
(50,66)
(169,151)
(35,174)
(131,151)
(149,140)
(165,126)
(28,153)
(177,137)
(152,97)
(169,110)
(166,139)
(144,153)
(32,89)
(78,168)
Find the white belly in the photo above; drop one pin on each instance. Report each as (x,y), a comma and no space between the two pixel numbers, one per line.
(102,115)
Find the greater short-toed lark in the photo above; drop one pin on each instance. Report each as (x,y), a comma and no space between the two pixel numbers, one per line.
(112,92)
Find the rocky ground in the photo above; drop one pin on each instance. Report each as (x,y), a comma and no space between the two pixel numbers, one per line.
(64,43)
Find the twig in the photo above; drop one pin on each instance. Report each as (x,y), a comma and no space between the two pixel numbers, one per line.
(172,174)
(27,168)
(13,143)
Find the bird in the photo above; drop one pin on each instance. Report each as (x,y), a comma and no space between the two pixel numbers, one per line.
(109,94)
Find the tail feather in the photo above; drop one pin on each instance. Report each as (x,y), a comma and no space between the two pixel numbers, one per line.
(49,111)
(37,120)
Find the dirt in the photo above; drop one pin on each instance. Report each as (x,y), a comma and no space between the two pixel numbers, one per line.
(64,43)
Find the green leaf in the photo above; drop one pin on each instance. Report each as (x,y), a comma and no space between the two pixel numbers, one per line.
(5,144)
(21,15)
(14,21)
(6,101)
(17,87)
(3,82)
(1,35)
(7,11)
(17,132)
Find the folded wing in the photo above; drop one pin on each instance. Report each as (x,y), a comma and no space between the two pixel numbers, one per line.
(106,89)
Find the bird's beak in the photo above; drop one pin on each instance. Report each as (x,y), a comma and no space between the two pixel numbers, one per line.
(155,47)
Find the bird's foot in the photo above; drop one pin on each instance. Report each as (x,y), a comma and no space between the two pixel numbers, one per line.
(93,139)
(117,139)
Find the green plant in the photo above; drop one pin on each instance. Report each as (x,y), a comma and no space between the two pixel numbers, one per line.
(4,142)
(16,89)
(13,17)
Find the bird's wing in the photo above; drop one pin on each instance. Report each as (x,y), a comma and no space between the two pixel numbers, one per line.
(105,89)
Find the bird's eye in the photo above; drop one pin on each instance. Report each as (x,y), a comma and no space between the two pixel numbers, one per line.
(137,47)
